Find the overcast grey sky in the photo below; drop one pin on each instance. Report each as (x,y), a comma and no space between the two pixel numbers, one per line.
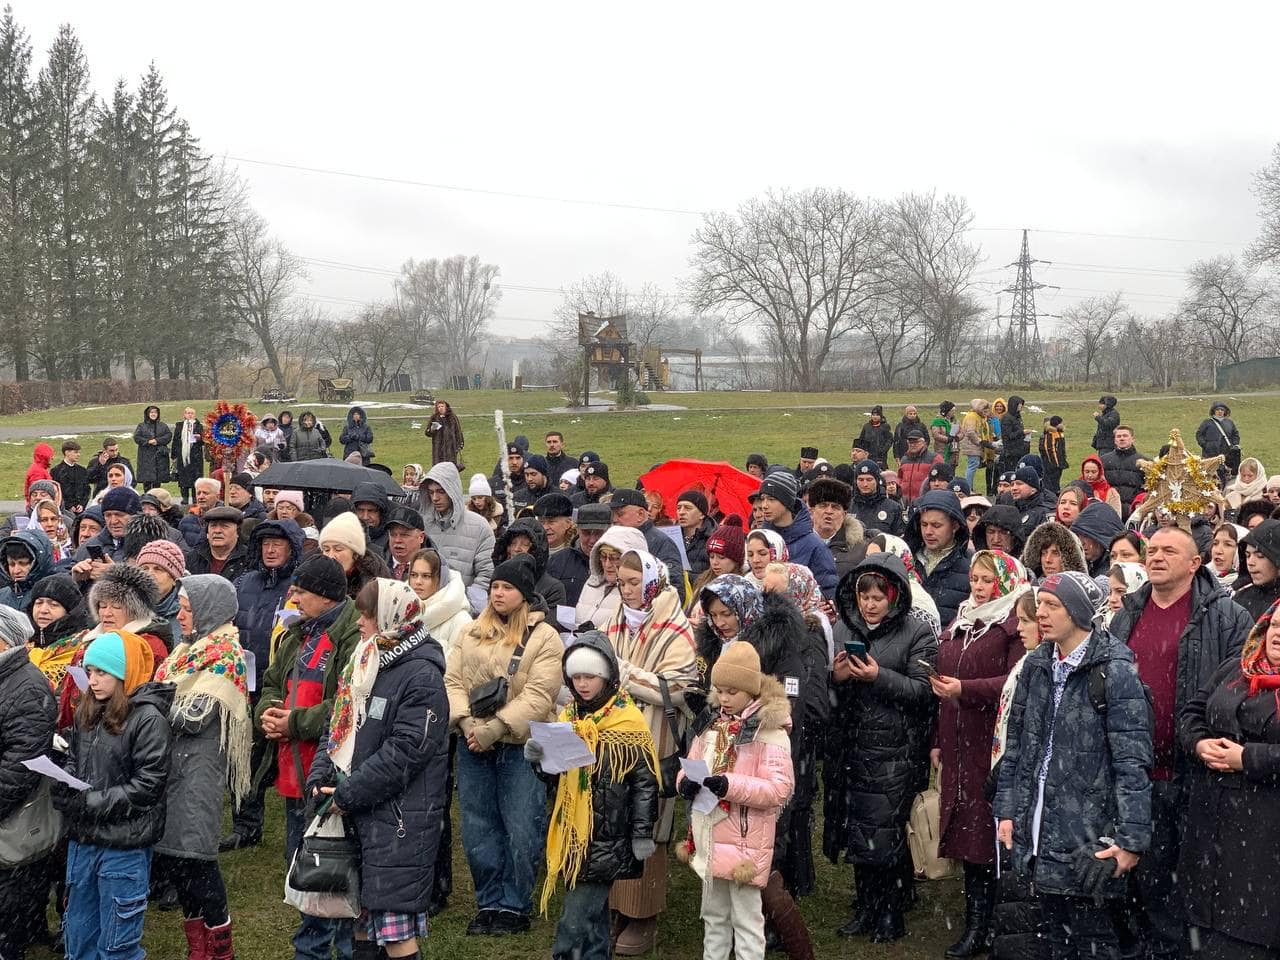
(1143,119)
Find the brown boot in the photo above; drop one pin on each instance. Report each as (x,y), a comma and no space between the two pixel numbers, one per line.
(197,939)
(219,940)
(617,923)
(780,910)
(637,937)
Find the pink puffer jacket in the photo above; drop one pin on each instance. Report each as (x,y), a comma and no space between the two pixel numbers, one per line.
(737,844)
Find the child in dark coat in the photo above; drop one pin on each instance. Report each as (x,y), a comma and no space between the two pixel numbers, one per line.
(603,822)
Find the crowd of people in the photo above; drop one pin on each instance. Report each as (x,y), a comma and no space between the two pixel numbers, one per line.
(1095,692)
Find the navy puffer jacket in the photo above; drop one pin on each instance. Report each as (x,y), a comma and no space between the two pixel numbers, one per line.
(396,792)
(261,590)
(1099,778)
(948,582)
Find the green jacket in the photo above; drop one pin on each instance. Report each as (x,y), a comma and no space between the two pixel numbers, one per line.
(305,723)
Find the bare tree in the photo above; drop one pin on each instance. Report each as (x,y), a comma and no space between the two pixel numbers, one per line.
(456,296)
(383,345)
(933,266)
(1089,325)
(1266,187)
(1226,307)
(805,266)
(893,330)
(260,288)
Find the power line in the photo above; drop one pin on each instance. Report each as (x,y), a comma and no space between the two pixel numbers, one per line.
(1115,236)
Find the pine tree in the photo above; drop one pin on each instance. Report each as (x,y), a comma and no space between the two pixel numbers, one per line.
(18,169)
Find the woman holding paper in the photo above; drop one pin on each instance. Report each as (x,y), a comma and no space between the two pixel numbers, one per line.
(384,766)
(211,741)
(120,745)
(504,671)
(654,643)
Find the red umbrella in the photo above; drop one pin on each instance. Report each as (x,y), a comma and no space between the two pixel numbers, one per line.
(723,483)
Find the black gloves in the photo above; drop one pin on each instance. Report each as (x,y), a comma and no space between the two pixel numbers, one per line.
(1092,874)
(719,785)
(688,788)
(66,800)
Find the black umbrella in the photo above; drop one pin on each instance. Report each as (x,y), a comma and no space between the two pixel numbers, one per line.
(325,474)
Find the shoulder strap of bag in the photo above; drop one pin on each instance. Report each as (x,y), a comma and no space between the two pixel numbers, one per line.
(1217,423)
(669,712)
(514,665)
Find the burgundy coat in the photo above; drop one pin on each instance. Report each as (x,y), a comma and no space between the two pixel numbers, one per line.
(965,728)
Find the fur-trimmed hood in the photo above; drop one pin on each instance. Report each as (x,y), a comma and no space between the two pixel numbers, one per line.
(1048,533)
(538,549)
(854,532)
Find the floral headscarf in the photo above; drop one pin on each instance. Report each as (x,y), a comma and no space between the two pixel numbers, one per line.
(399,619)
(654,574)
(921,602)
(738,594)
(778,552)
(1254,665)
(974,619)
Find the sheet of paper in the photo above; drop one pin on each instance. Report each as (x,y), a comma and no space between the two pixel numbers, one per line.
(251,669)
(676,535)
(47,768)
(78,677)
(287,616)
(697,771)
(565,750)
(567,617)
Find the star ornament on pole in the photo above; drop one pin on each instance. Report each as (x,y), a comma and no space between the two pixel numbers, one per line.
(230,428)
(1181,483)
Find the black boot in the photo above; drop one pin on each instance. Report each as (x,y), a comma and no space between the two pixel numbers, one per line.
(866,884)
(889,923)
(979,899)
(367,950)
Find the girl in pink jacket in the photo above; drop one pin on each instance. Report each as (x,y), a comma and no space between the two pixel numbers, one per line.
(748,753)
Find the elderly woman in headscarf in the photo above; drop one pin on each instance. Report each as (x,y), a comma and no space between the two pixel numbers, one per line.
(385,764)
(212,737)
(655,647)
(975,655)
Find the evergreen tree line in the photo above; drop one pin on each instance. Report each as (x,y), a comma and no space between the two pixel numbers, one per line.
(115,228)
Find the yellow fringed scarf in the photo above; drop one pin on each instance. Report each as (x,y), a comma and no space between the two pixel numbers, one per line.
(623,733)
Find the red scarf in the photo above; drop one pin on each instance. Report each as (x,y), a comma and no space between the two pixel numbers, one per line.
(1100,486)
(1261,673)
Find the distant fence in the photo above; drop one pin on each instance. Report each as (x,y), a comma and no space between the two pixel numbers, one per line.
(1258,372)
(43,394)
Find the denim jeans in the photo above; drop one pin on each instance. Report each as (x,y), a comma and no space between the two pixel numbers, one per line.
(106,901)
(971,469)
(504,823)
(583,930)
(316,937)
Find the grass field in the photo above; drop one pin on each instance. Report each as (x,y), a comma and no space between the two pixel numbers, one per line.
(264,925)
(716,426)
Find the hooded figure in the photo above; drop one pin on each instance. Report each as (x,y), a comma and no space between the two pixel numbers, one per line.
(33,544)
(879,764)
(463,538)
(375,535)
(549,588)
(261,590)
(41,457)
(1098,523)
(153,438)
(1013,440)
(446,435)
(1002,516)
(309,441)
(1257,598)
(945,574)
(1054,534)
(600,598)
(357,435)
(1218,435)
(1108,418)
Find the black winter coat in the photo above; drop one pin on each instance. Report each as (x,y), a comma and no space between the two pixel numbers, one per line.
(1232,819)
(571,567)
(1216,442)
(1099,778)
(877,756)
(695,548)
(848,547)
(877,512)
(97,472)
(621,811)
(877,441)
(153,459)
(356,437)
(900,435)
(1013,442)
(188,473)
(1257,600)
(1031,513)
(1104,438)
(1123,473)
(1215,634)
(396,792)
(28,715)
(548,587)
(201,560)
(948,582)
(124,808)
(261,591)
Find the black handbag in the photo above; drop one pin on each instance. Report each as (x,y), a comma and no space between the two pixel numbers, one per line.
(327,862)
(491,696)
(668,767)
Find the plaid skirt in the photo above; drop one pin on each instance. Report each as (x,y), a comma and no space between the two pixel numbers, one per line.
(387,926)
